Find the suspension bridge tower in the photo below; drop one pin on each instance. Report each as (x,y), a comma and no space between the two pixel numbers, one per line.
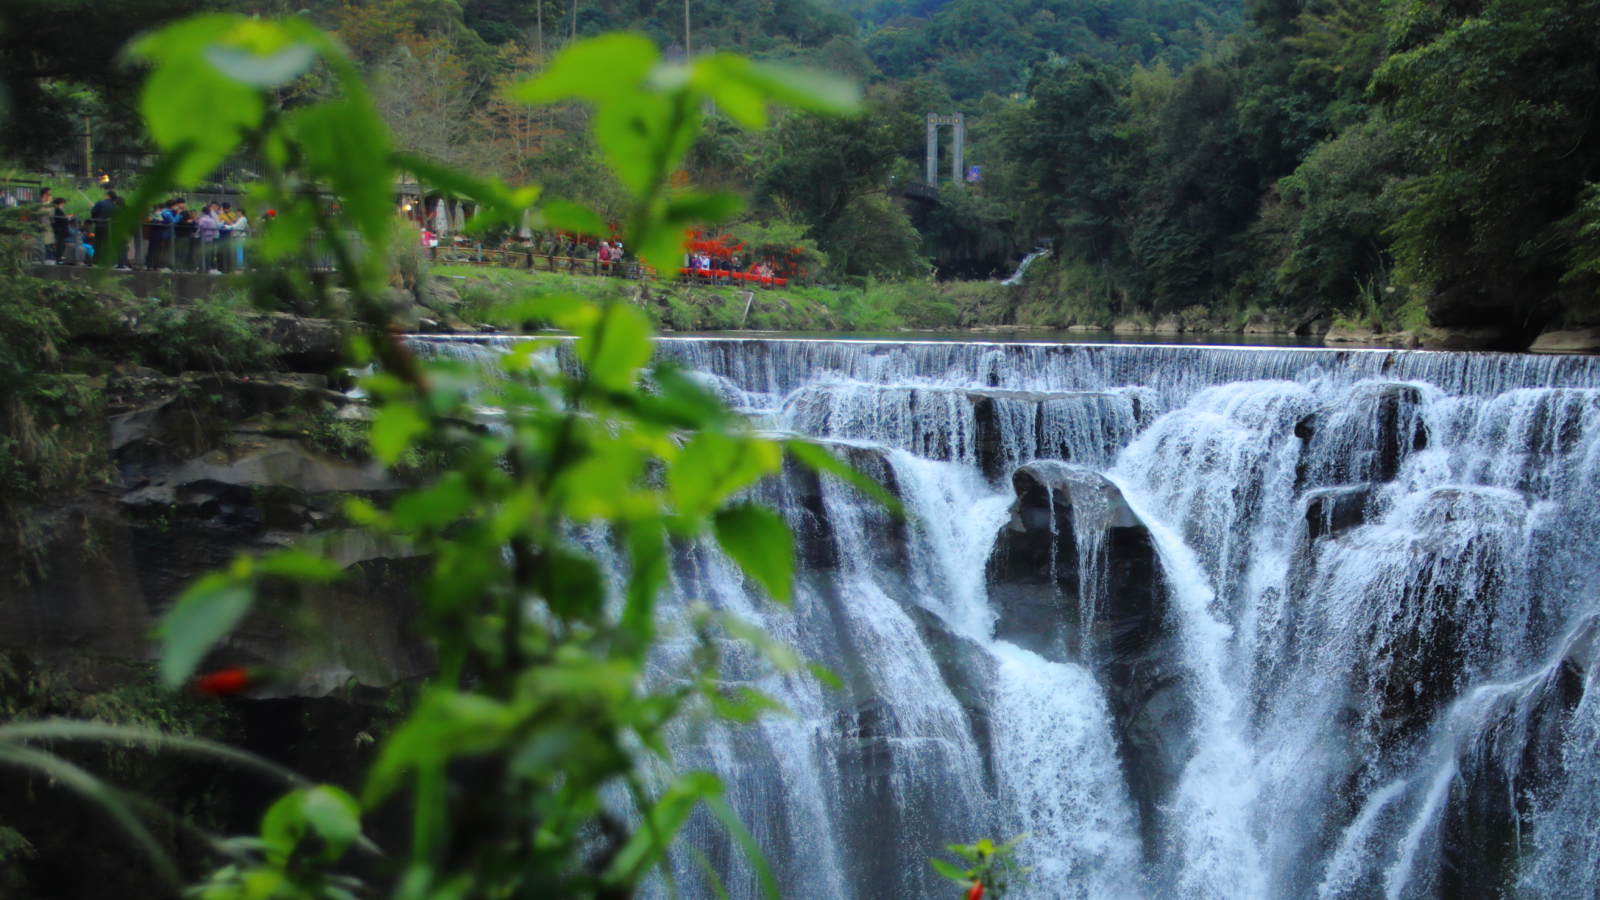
(958,146)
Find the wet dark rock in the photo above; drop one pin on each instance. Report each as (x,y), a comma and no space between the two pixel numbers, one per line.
(1426,647)
(969,672)
(303,344)
(1485,826)
(1310,322)
(989,439)
(209,465)
(164,420)
(1365,440)
(1033,571)
(800,492)
(1331,512)
(1033,579)
(988,442)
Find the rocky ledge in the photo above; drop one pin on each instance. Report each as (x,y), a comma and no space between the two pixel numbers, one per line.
(201,467)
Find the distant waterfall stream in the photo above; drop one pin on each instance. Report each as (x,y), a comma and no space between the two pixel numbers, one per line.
(1204,623)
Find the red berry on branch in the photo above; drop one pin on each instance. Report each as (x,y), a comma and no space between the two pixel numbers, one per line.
(224,683)
(975,892)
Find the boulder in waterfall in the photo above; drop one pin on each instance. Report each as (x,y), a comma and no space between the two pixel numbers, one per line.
(1516,751)
(1075,576)
(803,493)
(968,671)
(1331,512)
(1032,420)
(1363,438)
(1435,608)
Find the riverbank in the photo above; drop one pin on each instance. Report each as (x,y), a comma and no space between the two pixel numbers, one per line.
(462,299)
(1043,309)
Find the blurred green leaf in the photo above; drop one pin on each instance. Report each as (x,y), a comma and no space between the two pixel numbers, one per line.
(203,615)
(393,429)
(747,843)
(615,346)
(298,565)
(708,208)
(562,310)
(445,724)
(595,69)
(818,459)
(345,143)
(572,585)
(679,400)
(334,815)
(825,675)
(713,465)
(949,871)
(723,76)
(648,845)
(436,505)
(573,217)
(635,129)
(806,88)
(206,115)
(758,540)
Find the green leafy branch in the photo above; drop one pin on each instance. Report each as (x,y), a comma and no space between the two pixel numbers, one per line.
(993,872)
(545,709)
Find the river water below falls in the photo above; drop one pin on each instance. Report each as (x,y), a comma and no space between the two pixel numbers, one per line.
(1200,622)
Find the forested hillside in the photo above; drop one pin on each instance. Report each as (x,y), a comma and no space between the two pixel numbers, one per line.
(1376,160)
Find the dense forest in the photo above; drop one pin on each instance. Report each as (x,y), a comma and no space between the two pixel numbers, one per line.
(1393,162)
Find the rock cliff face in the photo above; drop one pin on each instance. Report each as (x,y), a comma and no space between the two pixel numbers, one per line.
(207,466)
(200,467)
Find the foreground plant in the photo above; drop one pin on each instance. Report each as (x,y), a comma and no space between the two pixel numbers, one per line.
(523,764)
(993,870)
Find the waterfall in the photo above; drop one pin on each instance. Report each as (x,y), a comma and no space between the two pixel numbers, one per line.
(1202,623)
(1022,267)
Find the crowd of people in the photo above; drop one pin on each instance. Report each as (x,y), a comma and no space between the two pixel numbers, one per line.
(212,239)
(717,266)
(173,237)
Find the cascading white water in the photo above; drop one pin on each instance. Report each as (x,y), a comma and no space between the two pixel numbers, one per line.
(1322,623)
(1022,267)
